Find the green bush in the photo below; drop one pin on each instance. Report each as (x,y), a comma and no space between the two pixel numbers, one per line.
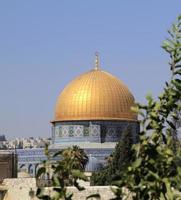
(155,171)
(65,172)
(117,161)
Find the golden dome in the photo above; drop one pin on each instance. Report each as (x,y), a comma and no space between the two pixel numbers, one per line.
(95,95)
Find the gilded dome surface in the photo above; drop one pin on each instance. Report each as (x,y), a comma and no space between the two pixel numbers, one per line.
(95,95)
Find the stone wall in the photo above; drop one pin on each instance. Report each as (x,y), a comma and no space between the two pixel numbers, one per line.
(8,164)
(21,188)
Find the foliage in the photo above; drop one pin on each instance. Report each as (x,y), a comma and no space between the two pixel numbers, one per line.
(123,153)
(100,178)
(65,172)
(117,161)
(155,173)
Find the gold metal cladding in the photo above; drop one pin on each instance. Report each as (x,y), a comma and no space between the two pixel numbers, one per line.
(95,95)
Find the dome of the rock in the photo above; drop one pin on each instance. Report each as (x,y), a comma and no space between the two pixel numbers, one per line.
(95,107)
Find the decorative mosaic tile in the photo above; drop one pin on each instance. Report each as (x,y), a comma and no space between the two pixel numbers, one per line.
(71,131)
(86,131)
(108,131)
(56,131)
(94,130)
(65,131)
(60,131)
(111,132)
(78,131)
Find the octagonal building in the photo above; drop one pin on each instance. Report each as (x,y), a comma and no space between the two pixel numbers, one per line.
(93,111)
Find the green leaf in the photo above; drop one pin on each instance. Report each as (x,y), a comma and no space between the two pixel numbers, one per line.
(179,17)
(69,196)
(56,181)
(135,109)
(97,196)
(171,124)
(177,66)
(41,171)
(79,174)
(80,188)
(169,192)
(165,44)
(38,192)
(58,189)
(178,72)
(137,163)
(46,149)
(155,175)
(58,153)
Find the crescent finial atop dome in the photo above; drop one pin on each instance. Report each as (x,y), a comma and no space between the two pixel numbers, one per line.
(97,66)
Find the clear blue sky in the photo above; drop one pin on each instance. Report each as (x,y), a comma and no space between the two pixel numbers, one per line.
(44,44)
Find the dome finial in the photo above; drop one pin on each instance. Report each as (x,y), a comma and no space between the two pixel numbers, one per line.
(97,67)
